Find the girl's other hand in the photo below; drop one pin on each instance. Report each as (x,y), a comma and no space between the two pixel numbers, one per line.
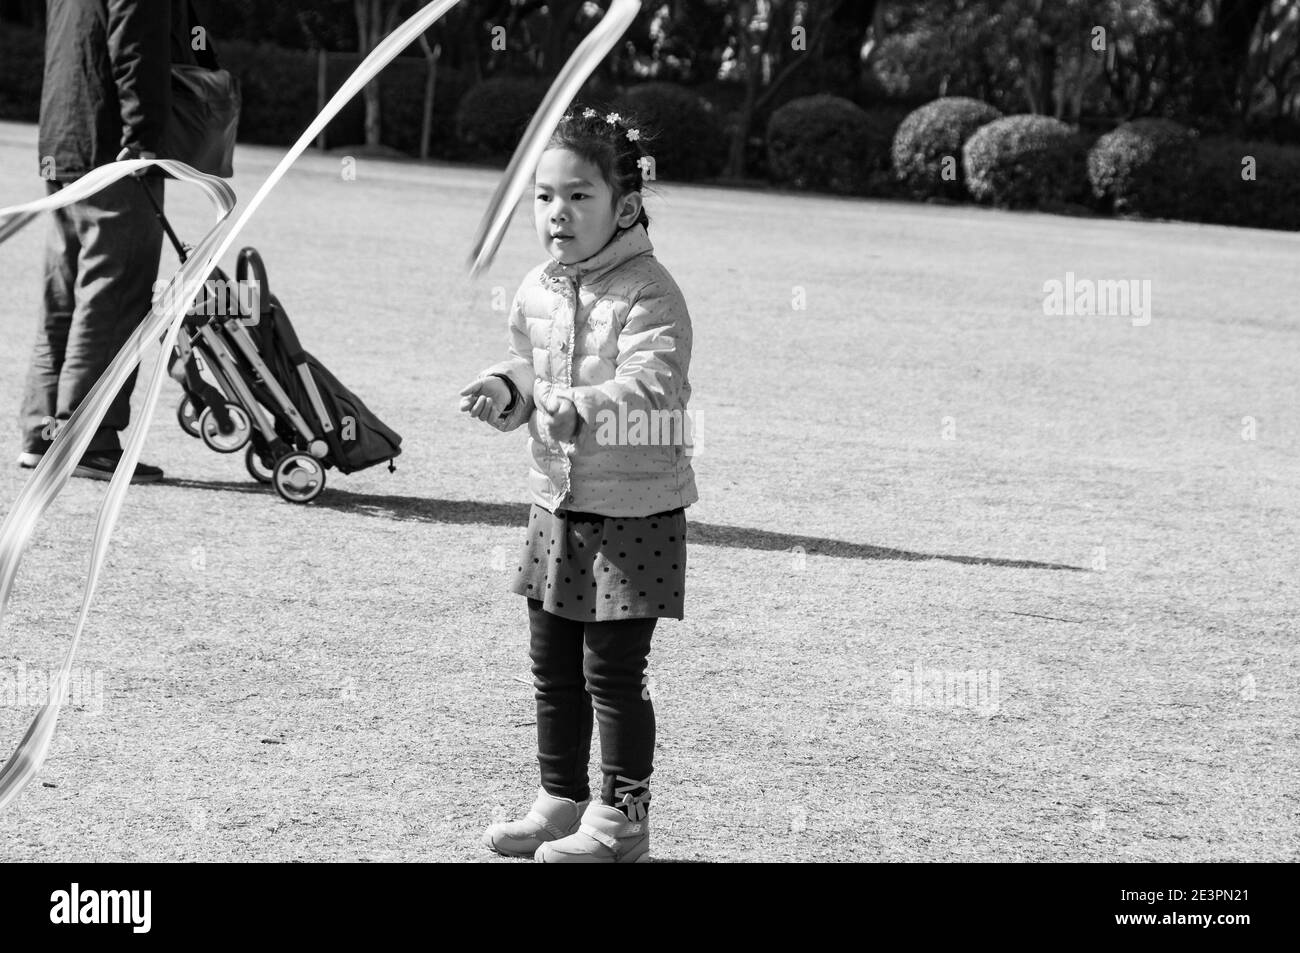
(485,398)
(561,425)
(557,416)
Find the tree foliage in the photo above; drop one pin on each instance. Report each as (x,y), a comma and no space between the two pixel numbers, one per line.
(1119,58)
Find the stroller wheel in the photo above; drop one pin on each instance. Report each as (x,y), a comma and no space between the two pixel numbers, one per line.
(299,477)
(256,466)
(187,415)
(232,440)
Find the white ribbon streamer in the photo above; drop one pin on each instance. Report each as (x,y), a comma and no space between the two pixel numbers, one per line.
(73,439)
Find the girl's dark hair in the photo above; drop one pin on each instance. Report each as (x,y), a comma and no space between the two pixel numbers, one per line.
(588,133)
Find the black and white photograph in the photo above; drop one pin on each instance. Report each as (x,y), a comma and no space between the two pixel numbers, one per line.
(610,432)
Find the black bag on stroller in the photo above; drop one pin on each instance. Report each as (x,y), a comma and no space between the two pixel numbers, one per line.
(356,437)
(249,384)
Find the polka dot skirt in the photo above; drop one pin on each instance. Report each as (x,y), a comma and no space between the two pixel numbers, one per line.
(594,568)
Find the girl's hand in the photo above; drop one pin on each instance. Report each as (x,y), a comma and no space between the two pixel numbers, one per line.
(561,425)
(557,416)
(485,398)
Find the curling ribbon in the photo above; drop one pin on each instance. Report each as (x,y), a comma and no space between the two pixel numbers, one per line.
(593,48)
(72,440)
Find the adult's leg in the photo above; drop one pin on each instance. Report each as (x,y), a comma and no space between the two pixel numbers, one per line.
(121,243)
(563,706)
(614,663)
(41,393)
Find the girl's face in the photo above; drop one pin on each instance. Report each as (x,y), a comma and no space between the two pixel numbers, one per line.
(574,207)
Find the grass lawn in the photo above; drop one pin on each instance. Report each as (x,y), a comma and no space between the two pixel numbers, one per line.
(917,474)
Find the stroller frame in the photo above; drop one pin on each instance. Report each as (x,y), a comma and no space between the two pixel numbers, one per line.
(248,407)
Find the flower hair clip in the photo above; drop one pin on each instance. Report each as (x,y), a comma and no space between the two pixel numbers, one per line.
(633,135)
(612,119)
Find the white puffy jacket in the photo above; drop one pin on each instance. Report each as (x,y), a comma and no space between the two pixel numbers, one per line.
(611,333)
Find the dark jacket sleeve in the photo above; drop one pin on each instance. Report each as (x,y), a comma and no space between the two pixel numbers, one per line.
(139,53)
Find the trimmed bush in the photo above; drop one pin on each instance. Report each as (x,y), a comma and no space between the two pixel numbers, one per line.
(22,67)
(824,142)
(1144,167)
(402,98)
(1026,162)
(929,143)
(401,104)
(278,88)
(1219,194)
(493,115)
(883,122)
(689,142)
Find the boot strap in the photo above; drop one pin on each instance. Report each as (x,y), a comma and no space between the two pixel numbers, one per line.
(545,825)
(601,836)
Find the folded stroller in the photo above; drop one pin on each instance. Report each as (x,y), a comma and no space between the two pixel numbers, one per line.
(248,383)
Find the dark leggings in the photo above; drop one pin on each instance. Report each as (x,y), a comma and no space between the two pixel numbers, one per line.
(578,666)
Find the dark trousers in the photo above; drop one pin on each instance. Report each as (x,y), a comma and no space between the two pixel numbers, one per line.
(101,261)
(579,667)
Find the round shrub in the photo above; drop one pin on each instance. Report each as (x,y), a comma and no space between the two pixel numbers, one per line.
(823,142)
(688,139)
(927,147)
(1143,167)
(1244,183)
(1025,162)
(493,115)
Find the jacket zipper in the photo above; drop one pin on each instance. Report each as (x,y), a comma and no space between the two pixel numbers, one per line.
(570,296)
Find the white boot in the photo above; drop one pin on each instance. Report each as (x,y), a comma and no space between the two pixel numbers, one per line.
(549,819)
(605,836)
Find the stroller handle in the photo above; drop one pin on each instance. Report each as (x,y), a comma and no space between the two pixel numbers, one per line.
(250,261)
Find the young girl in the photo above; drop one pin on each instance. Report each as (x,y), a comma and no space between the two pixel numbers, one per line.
(600,347)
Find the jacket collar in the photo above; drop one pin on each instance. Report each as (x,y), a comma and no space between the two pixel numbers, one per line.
(626,244)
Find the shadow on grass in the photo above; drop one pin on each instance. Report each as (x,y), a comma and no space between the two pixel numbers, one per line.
(470,512)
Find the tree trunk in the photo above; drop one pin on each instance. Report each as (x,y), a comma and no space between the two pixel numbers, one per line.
(1236,24)
(847,34)
(817,39)
(375,20)
(1047,74)
(740,135)
(374,121)
(426,127)
(322,91)
(748,61)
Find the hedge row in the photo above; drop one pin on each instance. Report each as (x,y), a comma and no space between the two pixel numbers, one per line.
(951,148)
(1157,168)
(470,121)
(957,147)
(22,67)
(280,98)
